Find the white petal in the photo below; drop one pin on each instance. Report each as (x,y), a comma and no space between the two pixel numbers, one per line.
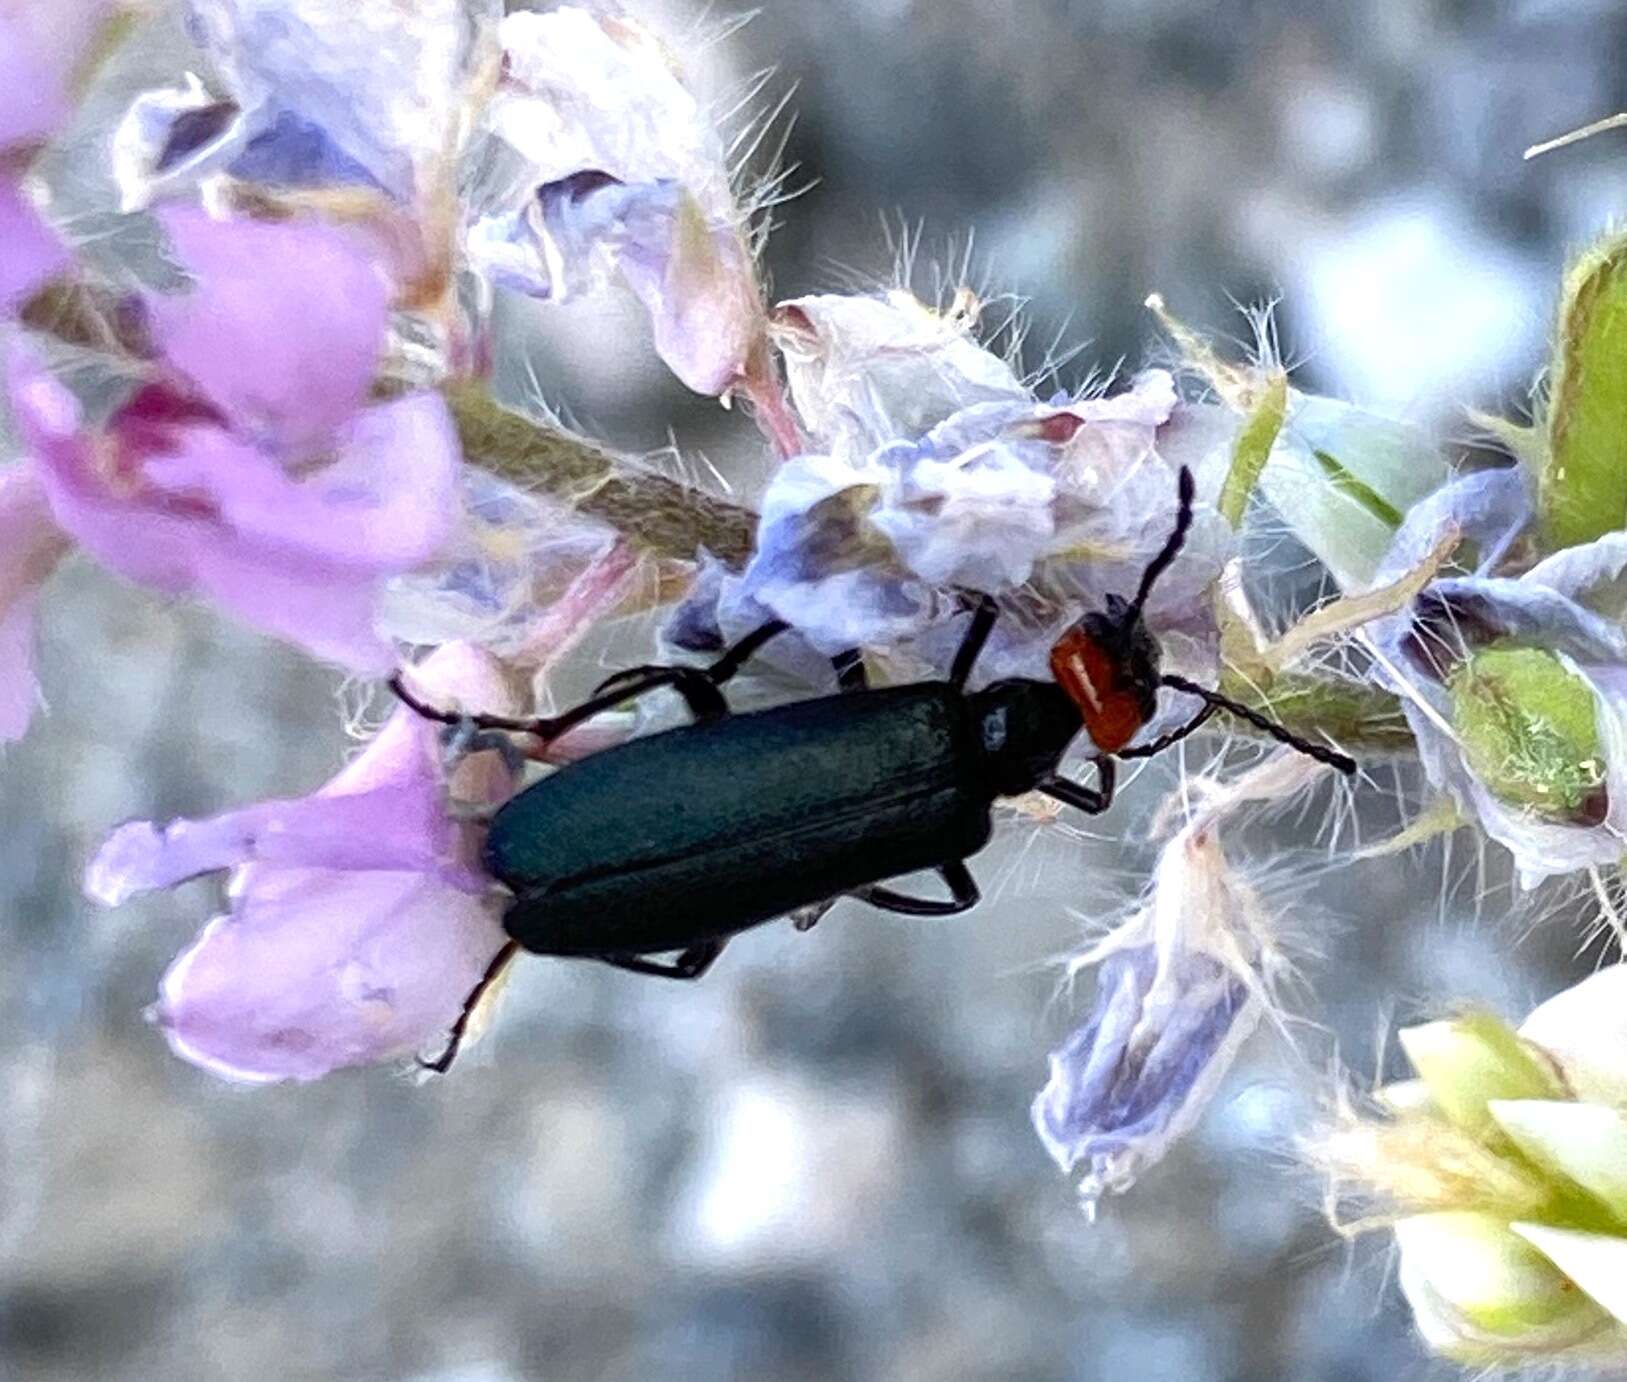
(1586,1143)
(1584,1028)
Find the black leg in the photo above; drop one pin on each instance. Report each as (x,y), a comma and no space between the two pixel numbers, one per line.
(704,703)
(977,635)
(962,887)
(699,691)
(1091,800)
(691,964)
(850,673)
(454,1040)
(697,685)
(1175,736)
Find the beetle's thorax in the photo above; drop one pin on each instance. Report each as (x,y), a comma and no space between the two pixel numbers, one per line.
(1024,728)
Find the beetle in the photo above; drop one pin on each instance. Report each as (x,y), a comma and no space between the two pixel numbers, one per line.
(679,840)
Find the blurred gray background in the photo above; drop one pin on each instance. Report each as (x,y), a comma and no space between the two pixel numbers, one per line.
(817,1164)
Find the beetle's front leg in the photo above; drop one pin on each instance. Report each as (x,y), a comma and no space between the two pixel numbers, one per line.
(1091,800)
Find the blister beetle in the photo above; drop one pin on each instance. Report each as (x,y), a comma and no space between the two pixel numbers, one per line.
(679,840)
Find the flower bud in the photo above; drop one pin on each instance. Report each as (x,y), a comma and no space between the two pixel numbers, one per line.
(1582,471)
(1585,1144)
(1468,1061)
(1528,726)
(1481,1293)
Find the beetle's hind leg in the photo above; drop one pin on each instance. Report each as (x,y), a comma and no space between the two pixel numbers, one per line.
(963,890)
(699,692)
(691,964)
(697,685)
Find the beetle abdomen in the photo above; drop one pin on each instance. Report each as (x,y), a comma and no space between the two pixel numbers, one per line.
(708,829)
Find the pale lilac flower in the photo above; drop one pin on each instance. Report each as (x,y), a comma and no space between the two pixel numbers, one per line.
(522,576)
(1054,505)
(868,369)
(1548,609)
(315,94)
(255,475)
(359,920)
(1180,987)
(623,174)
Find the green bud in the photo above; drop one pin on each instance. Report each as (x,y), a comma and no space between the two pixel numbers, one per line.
(1481,1293)
(1529,728)
(1468,1061)
(1582,475)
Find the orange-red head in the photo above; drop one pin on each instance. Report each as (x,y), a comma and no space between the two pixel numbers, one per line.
(1108,665)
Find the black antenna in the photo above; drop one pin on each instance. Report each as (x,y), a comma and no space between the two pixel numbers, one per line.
(1161,563)
(1281,733)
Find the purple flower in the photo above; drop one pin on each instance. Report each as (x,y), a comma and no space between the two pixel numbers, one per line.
(358,919)
(364,95)
(1515,689)
(623,175)
(1179,988)
(255,476)
(1054,505)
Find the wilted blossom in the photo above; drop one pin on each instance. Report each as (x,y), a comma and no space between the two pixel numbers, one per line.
(1516,689)
(248,467)
(1052,505)
(1503,1170)
(40,46)
(358,918)
(1180,986)
(623,174)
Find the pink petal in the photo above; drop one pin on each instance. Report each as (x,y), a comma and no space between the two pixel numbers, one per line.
(174,540)
(700,288)
(302,559)
(386,504)
(41,43)
(400,827)
(283,327)
(317,970)
(30,546)
(30,251)
(33,97)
